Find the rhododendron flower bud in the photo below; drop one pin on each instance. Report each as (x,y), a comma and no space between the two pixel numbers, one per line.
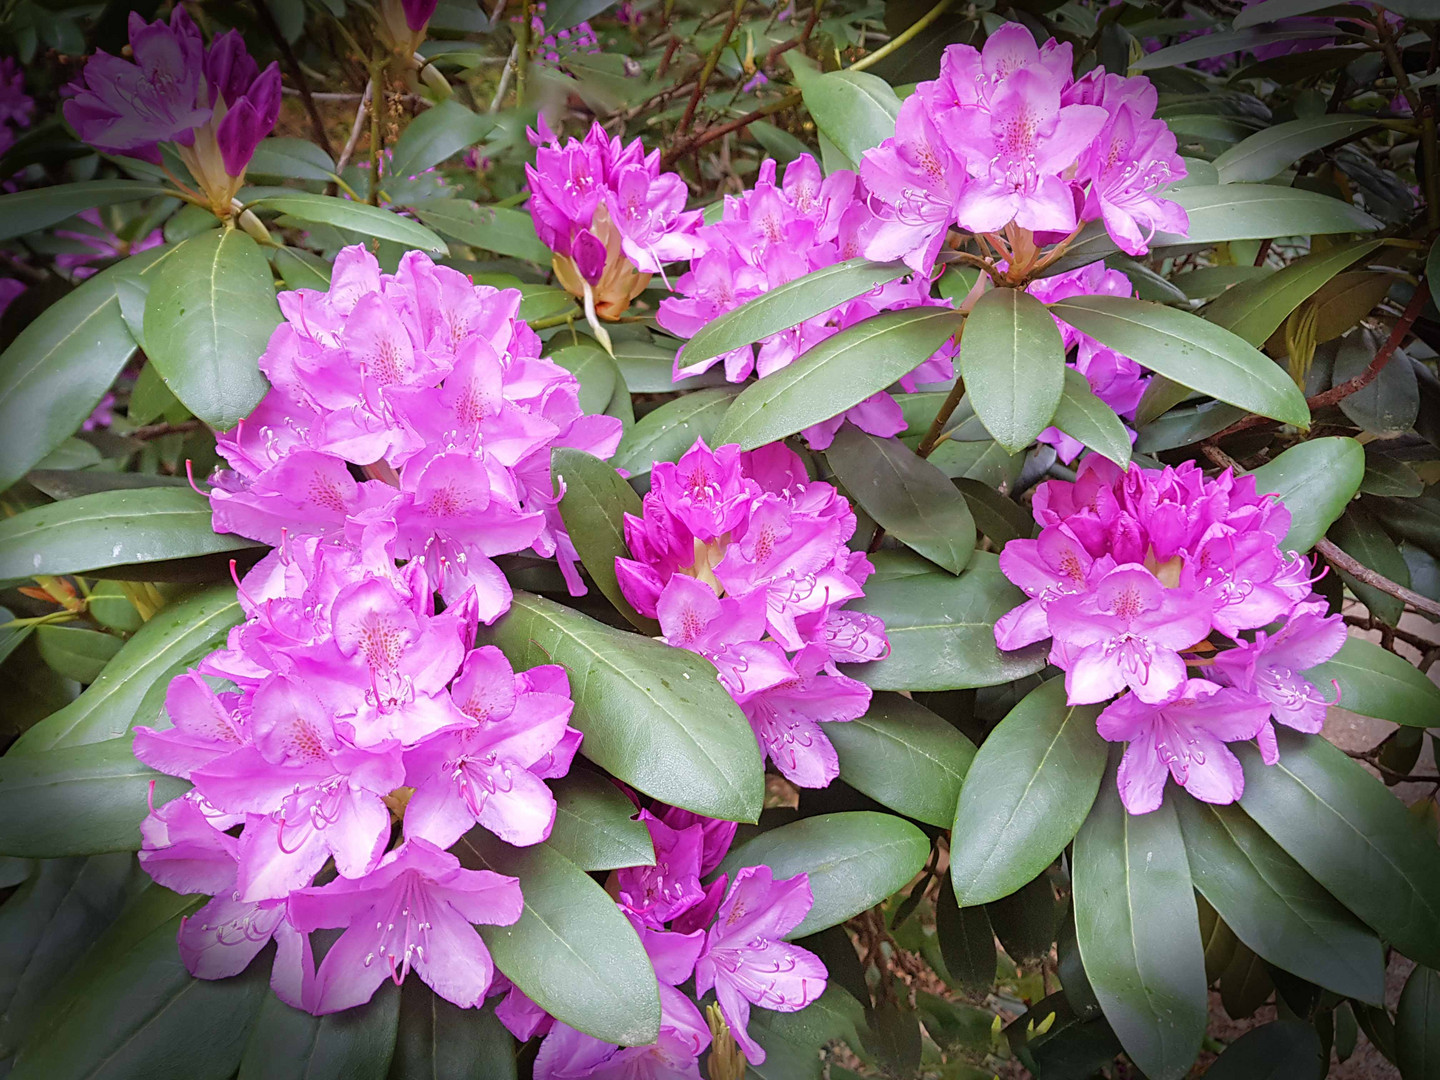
(213,104)
(610,216)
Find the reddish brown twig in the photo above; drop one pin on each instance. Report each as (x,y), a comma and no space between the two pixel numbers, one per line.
(156,431)
(1362,573)
(708,70)
(1359,382)
(797,41)
(710,134)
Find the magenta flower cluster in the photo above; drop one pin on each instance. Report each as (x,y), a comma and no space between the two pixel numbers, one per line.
(433,390)
(1115,379)
(743,559)
(212,102)
(1155,585)
(555,48)
(730,940)
(771,235)
(356,707)
(1008,143)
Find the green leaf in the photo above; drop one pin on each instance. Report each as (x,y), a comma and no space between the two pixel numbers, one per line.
(667,432)
(1357,534)
(1254,310)
(133,1010)
(1432,271)
(594,369)
(593,507)
(500,229)
(853,109)
(75,652)
(788,305)
(1385,475)
(1087,419)
(1268,11)
(1222,43)
(1352,836)
(1190,351)
(356,1044)
(1013,361)
(300,269)
(1417,1026)
(967,942)
(369,221)
(841,371)
(1274,907)
(942,630)
(1390,404)
(1032,783)
(1315,480)
(1266,154)
(208,318)
(1184,427)
(1415,520)
(905,757)
(573,951)
(648,368)
(999,518)
(1135,922)
(438,133)
(791,1039)
(77,800)
(855,860)
(110,528)
(1376,682)
(595,824)
(1279,1050)
(910,498)
(653,716)
(30,211)
(290,159)
(442,1041)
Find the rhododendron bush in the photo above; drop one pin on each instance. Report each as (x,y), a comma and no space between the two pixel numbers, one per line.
(667,540)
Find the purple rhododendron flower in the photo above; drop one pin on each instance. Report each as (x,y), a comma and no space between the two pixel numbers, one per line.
(104,245)
(1007,144)
(16,106)
(213,103)
(609,214)
(771,235)
(743,559)
(1153,582)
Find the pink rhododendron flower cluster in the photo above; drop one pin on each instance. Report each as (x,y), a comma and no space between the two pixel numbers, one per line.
(103,245)
(350,705)
(609,214)
(773,234)
(1116,380)
(212,102)
(743,559)
(554,48)
(1138,578)
(432,389)
(1009,145)
(732,940)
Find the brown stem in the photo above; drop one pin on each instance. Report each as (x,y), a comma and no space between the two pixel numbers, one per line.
(709,135)
(942,415)
(1364,574)
(156,431)
(709,69)
(292,65)
(797,41)
(356,129)
(1414,640)
(1359,382)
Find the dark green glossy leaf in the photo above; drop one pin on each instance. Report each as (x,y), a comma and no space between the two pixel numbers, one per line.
(1417,1026)
(649,368)
(1190,351)
(441,1041)
(1274,907)
(1352,836)
(300,270)
(1033,781)
(358,217)
(1136,926)
(855,860)
(999,518)
(1280,1050)
(1245,984)
(1026,920)
(1013,361)
(208,318)
(840,372)
(1087,419)
(1221,43)
(788,305)
(1266,154)
(290,159)
(572,951)
(500,229)
(594,369)
(438,133)
(1415,520)
(853,109)
(1357,534)
(1184,427)
(1315,480)
(1376,682)
(30,211)
(1390,476)
(1390,404)
(967,942)
(792,1039)
(667,432)
(74,651)
(653,716)
(110,528)
(942,630)
(906,495)
(356,1044)
(593,507)
(905,757)
(595,824)
(77,800)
